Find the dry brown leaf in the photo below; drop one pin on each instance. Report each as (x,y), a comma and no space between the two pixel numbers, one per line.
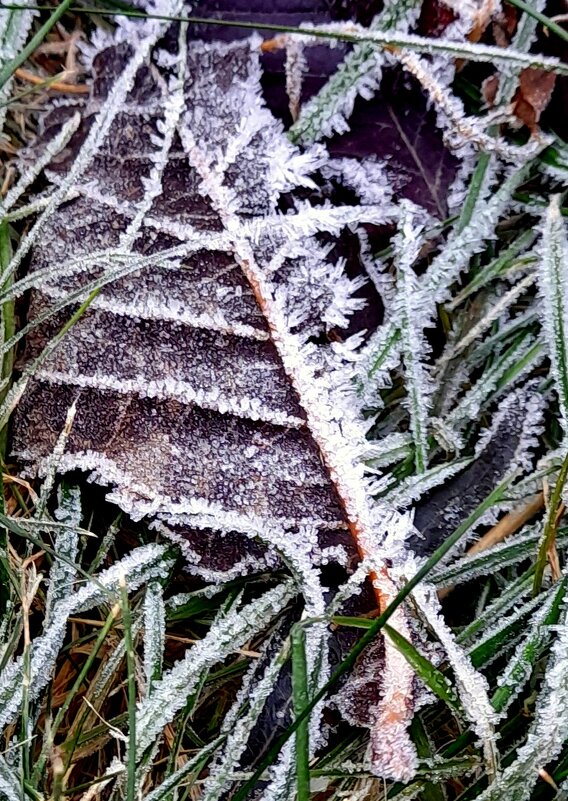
(532,96)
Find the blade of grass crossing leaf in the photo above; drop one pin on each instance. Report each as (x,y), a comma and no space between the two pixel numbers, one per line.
(12,398)
(300,700)
(433,678)
(550,526)
(372,632)
(382,40)
(484,563)
(12,526)
(106,544)
(131,684)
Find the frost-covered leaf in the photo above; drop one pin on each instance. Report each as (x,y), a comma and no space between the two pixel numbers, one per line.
(208,391)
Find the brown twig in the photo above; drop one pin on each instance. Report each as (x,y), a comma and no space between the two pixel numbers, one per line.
(56,86)
(508,525)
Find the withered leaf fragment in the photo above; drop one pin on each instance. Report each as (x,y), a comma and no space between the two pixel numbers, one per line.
(208,395)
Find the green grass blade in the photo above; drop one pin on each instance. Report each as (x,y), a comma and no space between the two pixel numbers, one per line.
(550,526)
(523,660)
(495,268)
(131,685)
(300,700)
(433,678)
(548,23)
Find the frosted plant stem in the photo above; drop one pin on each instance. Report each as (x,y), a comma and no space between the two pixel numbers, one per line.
(8,69)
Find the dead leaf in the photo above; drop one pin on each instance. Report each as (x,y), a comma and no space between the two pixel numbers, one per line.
(435,16)
(397,127)
(201,377)
(504,25)
(532,96)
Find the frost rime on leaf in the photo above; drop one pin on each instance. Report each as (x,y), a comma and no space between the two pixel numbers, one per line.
(201,396)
